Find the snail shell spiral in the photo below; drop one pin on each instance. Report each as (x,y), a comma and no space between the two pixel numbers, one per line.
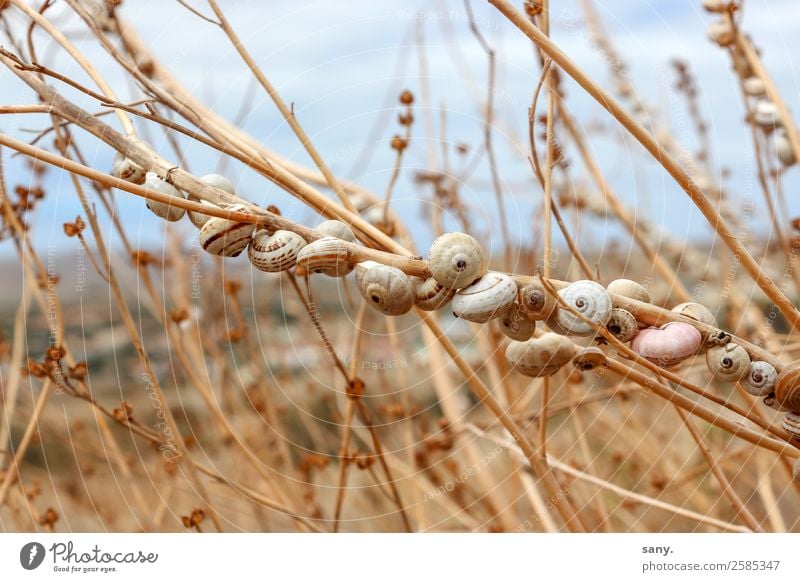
(787,388)
(729,362)
(456,260)
(487,298)
(327,255)
(384,288)
(168,212)
(537,303)
(542,356)
(274,252)
(760,380)
(622,325)
(515,324)
(226,238)
(430,295)
(589,299)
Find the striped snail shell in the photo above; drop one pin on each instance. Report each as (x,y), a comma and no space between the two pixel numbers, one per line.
(168,212)
(760,380)
(336,229)
(765,115)
(328,255)
(126,169)
(730,362)
(791,424)
(784,149)
(197,218)
(456,260)
(516,325)
(787,388)
(487,298)
(384,288)
(542,356)
(668,345)
(537,303)
(226,238)
(697,312)
(219,181)
(754,87)
(430,295)
(589,299)
(274,252)
(622,325)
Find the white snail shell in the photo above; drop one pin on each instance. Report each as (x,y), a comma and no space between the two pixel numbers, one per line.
(456,260)
(384,288)
(754,87)
(226,238)
(697,312)
(516,325)
(219,181)
(166,211)
(766,115)
(328,255)
(622,325)
(537,303)
(430,295)
(336,229)
(487,298)
(784,149)
(589,299)
(274,252)
(791,424)
(199,219)
(722,32)
(729,362)
(668,345)
(630,289)
(126,169)
(542,356)
(760,380)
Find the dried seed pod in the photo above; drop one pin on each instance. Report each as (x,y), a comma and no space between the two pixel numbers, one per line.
(456,260)
(630,289)
(220,182)
(668,345)
(542,356)
(328,255)
(537,303)
(754,87)
(336,229)
(274,252)
(722,32)
(226,238)
(487,298)
(784,149)
(730,362)
(126,169)
(697,312)
(622,325)
(791,424)
(386,289)
(166,211)
(589,299)
(760,380)
(516,325)
(765,115)
(787,388)
(430,295)
(198,218)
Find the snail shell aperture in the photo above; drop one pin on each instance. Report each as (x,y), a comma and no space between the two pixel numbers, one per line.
(227,238)
(668,345)
(622,325)
(384,288)
(761,379)
(542,356)
(166,211)
(729,362)
(487,298)
(274,252)
(456,260)
(516,325)
(430,295)
(589,299)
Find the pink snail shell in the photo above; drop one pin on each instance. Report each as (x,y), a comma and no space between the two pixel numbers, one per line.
(668,345)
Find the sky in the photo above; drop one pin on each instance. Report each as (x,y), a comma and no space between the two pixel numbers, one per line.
(342,65)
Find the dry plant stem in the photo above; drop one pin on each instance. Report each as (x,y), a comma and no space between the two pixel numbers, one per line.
(713,217)
(288,114)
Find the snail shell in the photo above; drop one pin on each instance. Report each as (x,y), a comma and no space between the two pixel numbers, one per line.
(336,229)
(791,424)
(199,219)
(766,115)
(226,238)
(784,149)
(722,32)
(542,356)
(754,87)
(730,362)
(787,388)
(274,252)
(386,289)
(430,295)
(697,312)
(126,169)
(622,325)
(516,325)
(715,5)
(166,211)
(328,255)
(487,298)
(588,298)
(537,303)
(589,359)
(668,345)
(456,260)
(630,289)
(761,379)
(219,181)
